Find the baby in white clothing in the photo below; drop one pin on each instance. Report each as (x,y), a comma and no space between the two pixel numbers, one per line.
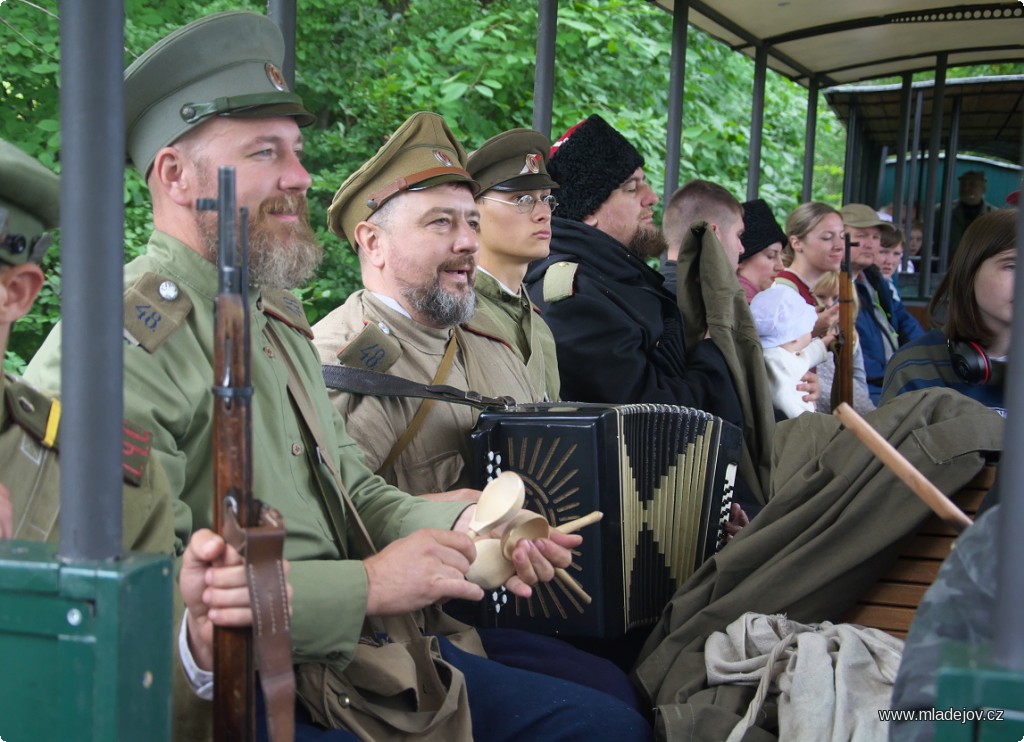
(784,322)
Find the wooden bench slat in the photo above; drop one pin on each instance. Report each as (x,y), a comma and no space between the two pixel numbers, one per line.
(887,618)
(894,593)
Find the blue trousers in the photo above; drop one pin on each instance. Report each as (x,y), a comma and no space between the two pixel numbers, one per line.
(508,704)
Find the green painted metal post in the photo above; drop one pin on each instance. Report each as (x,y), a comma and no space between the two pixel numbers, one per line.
(86,647)
(970,681)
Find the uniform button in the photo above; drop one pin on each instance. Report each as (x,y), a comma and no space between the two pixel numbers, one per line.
(268,351)
(384,328)
(344,700)
(296,449)
(168,290)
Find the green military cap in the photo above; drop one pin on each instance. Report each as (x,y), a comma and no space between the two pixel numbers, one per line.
(422,153)
(862,215)
(512,160)
(29,205)
(226,64)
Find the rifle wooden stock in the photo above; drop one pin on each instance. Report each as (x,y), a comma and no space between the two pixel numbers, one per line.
(842,382)
(234,689)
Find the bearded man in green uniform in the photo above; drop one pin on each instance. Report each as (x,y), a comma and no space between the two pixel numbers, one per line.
(415,319)
(211,94)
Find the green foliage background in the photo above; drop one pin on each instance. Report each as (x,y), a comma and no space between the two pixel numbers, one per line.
(363,67)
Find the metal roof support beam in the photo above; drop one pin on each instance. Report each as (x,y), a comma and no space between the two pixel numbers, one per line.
(850,159)
(92,255)
(757,123)
(676,89)
(1008,646)
(810,134)
(915,200)
(544,77)
(282,12)
(948,183)
(898,217)
(934,144)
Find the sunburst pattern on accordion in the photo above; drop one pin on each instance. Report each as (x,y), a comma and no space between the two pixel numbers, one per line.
(662,474)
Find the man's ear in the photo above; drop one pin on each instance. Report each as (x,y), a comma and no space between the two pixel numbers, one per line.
(19,286)
(591,220)
(370,240)
(171,174)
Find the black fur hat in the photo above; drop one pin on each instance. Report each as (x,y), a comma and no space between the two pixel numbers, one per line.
(589,162)
(760,230)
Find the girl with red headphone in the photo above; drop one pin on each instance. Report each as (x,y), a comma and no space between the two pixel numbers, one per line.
(967,351)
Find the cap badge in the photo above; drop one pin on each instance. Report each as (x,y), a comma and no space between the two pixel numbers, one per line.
(443,158)
(533,163)
(275,77)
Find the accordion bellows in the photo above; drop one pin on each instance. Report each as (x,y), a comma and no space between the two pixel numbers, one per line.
(662,474)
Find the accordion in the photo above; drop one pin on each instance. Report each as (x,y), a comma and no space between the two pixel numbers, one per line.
(662,474)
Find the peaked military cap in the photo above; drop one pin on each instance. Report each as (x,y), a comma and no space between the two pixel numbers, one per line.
(421,153)
(226,64)
(862,215)
(513,160)
(29,205)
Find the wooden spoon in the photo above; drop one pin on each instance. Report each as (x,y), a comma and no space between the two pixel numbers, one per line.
(490,569)
(500,500)
(524,525)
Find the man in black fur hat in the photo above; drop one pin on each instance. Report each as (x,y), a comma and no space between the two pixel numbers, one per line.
(618,332)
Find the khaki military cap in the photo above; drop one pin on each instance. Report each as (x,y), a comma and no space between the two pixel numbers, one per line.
(422,153)
(862,215)
(226,64)
(513,160)
(29,205)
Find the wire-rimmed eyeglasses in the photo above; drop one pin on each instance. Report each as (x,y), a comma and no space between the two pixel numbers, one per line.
(524,204)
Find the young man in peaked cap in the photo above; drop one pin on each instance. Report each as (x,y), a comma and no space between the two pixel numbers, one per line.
(516,203)
(30,419)
(618,332)
(210,95)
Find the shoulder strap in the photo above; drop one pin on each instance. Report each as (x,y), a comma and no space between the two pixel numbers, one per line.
(376,384)
(154,308)
(559,281)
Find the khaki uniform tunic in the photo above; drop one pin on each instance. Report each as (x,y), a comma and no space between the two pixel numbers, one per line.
(168,380)
(29,422)
(515,320)
(438,458)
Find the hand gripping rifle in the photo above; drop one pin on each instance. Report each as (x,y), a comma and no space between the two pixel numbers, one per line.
(254,529)
(842,382)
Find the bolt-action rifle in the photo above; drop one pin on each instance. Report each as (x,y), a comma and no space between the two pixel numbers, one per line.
(842,382)
(254,529)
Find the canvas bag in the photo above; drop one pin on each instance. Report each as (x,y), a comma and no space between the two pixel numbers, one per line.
(397,684)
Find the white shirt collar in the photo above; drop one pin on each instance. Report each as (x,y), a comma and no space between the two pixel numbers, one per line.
(388,301)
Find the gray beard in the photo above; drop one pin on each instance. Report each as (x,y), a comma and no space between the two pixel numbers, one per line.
(440,307)
(648,242)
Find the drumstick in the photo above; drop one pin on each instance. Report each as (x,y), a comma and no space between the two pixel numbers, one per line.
(570,583)
(902,468)
(571,526)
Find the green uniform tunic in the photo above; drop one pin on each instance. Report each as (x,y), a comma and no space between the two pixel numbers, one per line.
(438,457)
(168,380)
(515,320)
(29,421)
